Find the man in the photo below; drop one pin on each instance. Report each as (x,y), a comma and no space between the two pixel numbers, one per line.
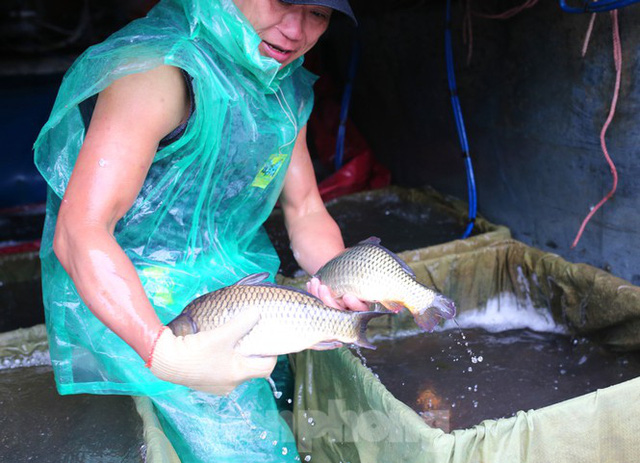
(166,150)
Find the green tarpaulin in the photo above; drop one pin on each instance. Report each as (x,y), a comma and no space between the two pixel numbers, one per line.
(344,414)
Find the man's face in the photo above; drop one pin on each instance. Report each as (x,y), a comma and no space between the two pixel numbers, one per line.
(287,31)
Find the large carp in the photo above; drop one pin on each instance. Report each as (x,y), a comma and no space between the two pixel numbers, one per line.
(376,275)
(290,320)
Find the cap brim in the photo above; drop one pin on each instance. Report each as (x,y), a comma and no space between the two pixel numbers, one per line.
(341,6)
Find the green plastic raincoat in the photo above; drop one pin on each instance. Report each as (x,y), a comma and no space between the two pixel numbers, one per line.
(197,224)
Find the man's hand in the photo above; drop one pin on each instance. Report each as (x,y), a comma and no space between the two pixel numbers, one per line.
(346,302)
(207,361)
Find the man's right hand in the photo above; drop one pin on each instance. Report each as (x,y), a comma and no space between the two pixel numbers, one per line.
(207,361)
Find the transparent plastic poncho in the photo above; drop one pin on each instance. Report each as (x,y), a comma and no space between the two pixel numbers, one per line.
(197,223)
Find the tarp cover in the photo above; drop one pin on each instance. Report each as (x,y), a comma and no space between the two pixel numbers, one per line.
(344,414)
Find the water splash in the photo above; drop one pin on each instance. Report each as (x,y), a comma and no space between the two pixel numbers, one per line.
(243,414)
(472,356)
(276,393)
(360,355)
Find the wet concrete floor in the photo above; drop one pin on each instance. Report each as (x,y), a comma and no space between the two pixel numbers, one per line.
(39,425)
(455,383)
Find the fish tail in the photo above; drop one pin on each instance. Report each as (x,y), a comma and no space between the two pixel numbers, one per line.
(363,320)
(428,319)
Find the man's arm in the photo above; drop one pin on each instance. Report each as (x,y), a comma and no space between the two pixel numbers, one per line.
(130,118)
(315,237)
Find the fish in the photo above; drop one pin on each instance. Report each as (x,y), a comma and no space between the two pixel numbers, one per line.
(376,275)
(291,320)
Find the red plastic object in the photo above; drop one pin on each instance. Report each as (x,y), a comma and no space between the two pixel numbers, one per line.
(19,248)
(360,170)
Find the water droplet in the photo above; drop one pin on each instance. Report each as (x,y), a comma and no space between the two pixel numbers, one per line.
(307,458)
(275,442)
(276,393)
(284,450)
(263,435)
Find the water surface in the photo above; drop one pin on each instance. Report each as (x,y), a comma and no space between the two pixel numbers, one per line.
(456,383)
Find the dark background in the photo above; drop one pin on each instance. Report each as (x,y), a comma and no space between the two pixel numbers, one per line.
(533,108)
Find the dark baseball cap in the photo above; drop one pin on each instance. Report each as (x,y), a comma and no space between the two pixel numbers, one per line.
(339,5)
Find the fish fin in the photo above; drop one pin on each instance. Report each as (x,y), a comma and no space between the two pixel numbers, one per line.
(402,263)
(428,319)
(393,306)
(376,307)
(376,242)
(326,345)
(364,319)
(253,279)
(371,240)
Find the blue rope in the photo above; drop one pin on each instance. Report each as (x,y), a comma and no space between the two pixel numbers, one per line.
(346,101)
(591,6)
(462,134)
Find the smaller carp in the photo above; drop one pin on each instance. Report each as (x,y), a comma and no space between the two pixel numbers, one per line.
(291,320)
(376,275)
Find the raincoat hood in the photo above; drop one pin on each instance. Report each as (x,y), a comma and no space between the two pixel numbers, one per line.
(236,39)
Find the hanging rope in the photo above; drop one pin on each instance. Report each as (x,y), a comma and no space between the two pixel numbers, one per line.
(467,25)
(617,56)
(587,36)
(509,13)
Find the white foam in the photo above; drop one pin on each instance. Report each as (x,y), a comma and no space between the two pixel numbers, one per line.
(507,312)
(37,358)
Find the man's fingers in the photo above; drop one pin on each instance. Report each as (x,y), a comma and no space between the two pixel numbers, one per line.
(239,326)
(312,286)
(353,303)
(324,293)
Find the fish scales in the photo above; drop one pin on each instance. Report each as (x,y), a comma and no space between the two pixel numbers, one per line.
(374,274)
(371,273)
(290,320)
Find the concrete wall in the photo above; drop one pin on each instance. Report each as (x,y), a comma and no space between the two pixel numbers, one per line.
(533,108)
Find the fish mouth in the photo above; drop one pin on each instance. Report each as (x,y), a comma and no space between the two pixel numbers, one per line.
(183,325)
(440,308)
(445,307)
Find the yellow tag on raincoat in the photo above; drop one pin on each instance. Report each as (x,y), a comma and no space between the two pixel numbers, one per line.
(269,170)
